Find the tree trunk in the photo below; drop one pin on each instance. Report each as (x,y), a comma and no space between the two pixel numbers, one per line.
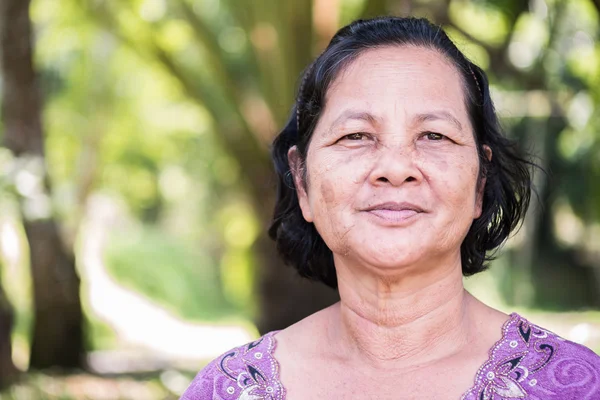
(58,319)
(285,297)
(8,371)
(58,325)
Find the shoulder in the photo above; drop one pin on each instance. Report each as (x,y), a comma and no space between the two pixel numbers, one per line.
(548,348)
(246,372)
(534,363)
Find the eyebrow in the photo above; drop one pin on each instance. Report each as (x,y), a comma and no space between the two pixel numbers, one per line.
(439,115)
(355,115)
(372,119)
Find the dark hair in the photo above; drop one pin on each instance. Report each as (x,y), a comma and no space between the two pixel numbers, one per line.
(507,190)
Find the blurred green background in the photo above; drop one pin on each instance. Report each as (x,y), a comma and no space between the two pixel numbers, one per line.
(136,185)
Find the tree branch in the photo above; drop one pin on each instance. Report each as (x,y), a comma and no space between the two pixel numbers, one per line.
(214,52)
(499,64)
(374,8)
(596,4)
(234,134)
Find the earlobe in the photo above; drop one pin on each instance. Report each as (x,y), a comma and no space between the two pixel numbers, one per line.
(296,169)
(488,152)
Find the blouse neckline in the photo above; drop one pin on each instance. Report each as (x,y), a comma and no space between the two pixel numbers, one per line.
(481,375)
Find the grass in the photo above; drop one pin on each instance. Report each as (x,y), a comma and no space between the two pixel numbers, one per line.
(176,276)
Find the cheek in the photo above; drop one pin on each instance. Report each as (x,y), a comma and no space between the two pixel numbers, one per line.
(335,180)
(453,186)
(454,177)
(328,192)
(334,184)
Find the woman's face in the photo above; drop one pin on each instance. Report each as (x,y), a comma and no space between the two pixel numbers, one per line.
(392,167)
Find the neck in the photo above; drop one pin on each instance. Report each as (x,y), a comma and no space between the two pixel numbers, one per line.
(402,321)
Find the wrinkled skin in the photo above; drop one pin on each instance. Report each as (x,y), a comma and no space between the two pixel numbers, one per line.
(395,134)
(394,129)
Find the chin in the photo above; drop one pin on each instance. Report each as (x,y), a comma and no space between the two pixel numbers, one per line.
(390,259)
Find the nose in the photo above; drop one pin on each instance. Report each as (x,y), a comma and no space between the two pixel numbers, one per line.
(395,165)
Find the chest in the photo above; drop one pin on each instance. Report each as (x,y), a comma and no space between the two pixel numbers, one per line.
(328,381)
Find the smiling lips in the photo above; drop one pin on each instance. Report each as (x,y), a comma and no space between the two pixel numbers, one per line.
(394,212)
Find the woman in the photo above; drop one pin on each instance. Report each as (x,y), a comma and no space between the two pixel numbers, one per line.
(395,182)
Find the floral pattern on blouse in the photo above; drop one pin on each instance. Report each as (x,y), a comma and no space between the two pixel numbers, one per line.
(249,372)
(532,363)
(528,362)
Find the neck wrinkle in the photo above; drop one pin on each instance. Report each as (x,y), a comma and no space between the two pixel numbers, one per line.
(395,328)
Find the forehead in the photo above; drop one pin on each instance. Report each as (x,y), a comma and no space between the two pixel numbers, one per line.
(410,78)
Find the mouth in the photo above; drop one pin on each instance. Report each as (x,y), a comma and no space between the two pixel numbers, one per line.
(393,212)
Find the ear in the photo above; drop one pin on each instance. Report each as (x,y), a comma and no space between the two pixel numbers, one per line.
(296,168)
(481,187)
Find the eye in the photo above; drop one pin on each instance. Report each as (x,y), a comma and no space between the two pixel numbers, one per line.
(354,136)
(434,136)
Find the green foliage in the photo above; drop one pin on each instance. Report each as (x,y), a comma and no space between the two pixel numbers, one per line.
(117,121)
(171,105)
(483,21)
(178,277)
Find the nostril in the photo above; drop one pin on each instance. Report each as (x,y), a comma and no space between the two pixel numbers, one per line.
(411,179)
(383,179)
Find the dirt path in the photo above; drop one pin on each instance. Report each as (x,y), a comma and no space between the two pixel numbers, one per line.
(136,320)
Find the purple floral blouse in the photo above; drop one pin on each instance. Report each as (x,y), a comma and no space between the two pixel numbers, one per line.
(528,362)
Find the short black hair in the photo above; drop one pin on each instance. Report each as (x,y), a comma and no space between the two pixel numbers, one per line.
(508,180)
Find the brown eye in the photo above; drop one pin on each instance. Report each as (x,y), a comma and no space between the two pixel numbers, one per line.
(355,136)
(434,136)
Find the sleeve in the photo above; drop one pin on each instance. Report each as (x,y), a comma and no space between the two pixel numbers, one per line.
(573,375)
(245,372)
(202,387)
